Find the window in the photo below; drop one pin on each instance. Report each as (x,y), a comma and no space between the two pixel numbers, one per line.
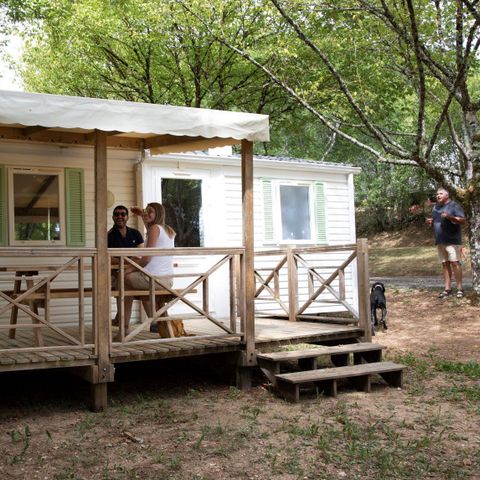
(294,212)
(42,206)
(35,206)
(182,200)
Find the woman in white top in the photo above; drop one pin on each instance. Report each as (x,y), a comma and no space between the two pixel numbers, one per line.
(159,235)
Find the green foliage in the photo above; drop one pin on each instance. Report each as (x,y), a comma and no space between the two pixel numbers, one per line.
(24,437)
(419,366)
(470,369)
(361,76)
(463,392)
(147,51)
(385,195)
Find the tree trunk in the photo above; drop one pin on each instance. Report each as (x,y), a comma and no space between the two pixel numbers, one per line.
(474,242)
(473,207)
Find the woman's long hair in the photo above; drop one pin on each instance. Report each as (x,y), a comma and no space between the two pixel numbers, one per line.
(160,218)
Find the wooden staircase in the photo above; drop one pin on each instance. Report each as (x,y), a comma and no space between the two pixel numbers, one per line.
(356,362)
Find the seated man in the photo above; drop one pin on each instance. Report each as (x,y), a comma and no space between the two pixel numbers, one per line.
(121,236)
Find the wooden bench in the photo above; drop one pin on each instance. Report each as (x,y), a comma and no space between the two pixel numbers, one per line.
(37,299)
(87,292)
(288,384)
(339,355)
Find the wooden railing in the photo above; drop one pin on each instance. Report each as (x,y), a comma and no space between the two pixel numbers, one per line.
(232,258)
(29,286)
(312,283)
(47,295)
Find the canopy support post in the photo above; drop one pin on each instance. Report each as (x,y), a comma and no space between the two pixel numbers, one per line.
(247,211)
(105,370)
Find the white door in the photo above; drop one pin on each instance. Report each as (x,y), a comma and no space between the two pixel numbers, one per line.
(193,200)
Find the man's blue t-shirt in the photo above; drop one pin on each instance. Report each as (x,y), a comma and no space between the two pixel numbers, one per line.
(447,232)
(132,239)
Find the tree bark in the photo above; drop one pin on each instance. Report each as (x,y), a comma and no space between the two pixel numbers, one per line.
(473,200)
(474,243)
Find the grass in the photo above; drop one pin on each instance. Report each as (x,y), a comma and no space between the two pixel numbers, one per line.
(404,261)
(470,369)
(395,254)
(394,435)
(206,431)
(18,436)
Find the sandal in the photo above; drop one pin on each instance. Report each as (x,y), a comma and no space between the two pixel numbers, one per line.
(460,293)
(445,294)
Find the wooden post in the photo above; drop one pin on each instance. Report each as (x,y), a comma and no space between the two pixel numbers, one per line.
(102,295)
(139,189)
(239,289)
(205,296)
(247,211)
(17,286)
(363,289)
(99,397)
(139,201)
(292,286)
(233,292)
(121,302)
(341,284)
(81,300)
(34,308)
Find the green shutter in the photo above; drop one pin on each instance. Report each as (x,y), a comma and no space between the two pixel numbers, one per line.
(268,233)
(320,214)
(3,207)
(75,207)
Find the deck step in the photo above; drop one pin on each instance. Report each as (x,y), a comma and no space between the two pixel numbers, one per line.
(365,352)
(288,384)
(321,351)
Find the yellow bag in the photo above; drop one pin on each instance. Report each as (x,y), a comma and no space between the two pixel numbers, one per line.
(177,329)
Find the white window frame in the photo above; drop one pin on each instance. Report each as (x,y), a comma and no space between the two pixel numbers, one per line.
(11,213)
(153,176)
(201,220)
(277,225)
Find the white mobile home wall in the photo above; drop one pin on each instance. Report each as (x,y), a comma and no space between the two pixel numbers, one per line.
(222,215)
(121,183)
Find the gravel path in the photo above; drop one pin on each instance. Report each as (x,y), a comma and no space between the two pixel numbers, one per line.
(416,282)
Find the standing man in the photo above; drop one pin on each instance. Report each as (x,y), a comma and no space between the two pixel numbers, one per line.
(447,218)
(121,236)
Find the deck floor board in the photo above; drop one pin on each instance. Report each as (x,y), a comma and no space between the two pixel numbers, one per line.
(58,352)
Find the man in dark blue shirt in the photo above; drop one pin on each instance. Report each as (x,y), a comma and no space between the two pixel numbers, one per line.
(121,236)
(447,218)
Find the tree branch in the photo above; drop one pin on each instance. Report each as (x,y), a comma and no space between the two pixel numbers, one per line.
(404,160)
(420,140)
(387,143)
(331,144)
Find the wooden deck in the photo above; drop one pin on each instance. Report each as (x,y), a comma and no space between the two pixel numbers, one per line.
(204,339)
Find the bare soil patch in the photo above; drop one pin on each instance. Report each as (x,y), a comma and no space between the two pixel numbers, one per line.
(423,324)
(182,420)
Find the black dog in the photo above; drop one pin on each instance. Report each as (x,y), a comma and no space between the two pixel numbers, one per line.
(378,301)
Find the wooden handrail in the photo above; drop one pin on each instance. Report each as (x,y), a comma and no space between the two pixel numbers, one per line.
(310,249)
(75,278)
(296,266)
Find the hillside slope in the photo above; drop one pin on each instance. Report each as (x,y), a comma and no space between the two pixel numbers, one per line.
(409,252)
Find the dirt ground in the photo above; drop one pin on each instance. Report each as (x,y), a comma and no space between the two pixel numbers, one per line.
(178,420)
(421,323)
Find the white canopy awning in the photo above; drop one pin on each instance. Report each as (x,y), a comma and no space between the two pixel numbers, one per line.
(137,120)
